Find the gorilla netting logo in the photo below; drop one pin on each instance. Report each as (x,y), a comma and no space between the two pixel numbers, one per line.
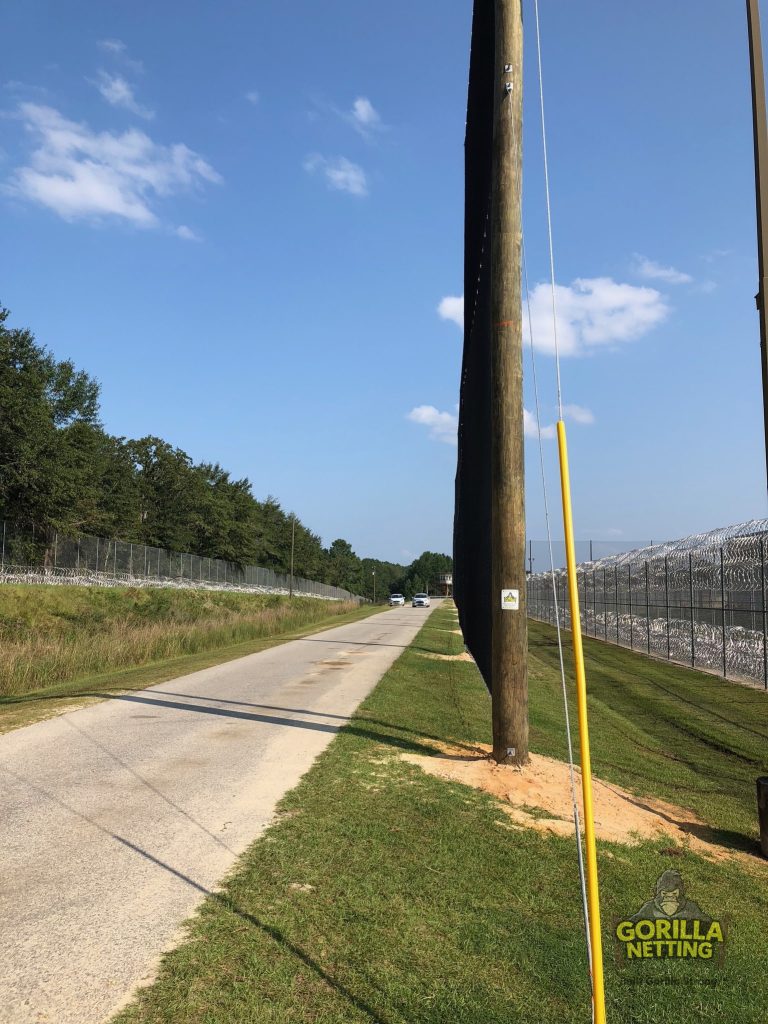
(670,926)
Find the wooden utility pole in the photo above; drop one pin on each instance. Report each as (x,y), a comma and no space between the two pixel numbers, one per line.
(761,190)
(509,633)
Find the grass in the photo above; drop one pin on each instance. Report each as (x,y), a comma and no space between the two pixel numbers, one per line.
(383,894)
(73,644)
(660,730)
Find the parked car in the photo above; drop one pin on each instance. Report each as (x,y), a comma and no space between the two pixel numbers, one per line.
(420,601)
(396,599)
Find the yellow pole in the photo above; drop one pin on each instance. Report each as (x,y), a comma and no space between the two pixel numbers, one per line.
(593,894)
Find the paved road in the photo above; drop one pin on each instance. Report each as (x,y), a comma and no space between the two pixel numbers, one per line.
(116,819)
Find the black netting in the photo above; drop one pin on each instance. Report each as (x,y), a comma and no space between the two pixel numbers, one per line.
(472,520)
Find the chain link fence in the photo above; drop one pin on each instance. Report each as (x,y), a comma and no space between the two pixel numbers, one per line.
(97,561)
(699,601)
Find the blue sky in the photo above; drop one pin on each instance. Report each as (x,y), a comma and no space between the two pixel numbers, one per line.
(245,220)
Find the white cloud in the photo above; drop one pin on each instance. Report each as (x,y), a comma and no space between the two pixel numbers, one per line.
(364,118)
(112,45)
(364,113)
(340,174)
(593,313)
(653,271)
(706,287)
(119,93)
(442,426)
(182,231)
(79,173)
(716,254)
(452,308)
(117,49)
(529,427)
(253,97)
(579,414)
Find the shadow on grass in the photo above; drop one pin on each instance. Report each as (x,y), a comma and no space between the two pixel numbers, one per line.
(724,838)
(717,838)
(223,900)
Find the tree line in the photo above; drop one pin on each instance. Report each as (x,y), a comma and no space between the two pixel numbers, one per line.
(60,471)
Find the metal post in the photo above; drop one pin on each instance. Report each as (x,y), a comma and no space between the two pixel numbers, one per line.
(690,588)
(2,557)
(55,548)
(97,554)
(666,599)
(293,548)
(130,560)
(605,604)
(629,588)
(616,582)
(590,552)
(647,607)
(586,607)
(594,604)
(722,610)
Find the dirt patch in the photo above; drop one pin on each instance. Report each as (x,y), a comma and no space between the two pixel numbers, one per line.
(539,797)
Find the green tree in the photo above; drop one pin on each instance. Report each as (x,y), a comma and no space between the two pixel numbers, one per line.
(226,518)
(171,494)
(40,399)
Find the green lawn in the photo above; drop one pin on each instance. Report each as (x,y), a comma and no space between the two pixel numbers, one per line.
(383,894)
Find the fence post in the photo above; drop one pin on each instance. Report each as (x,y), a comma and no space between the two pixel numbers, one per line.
(666,599)
(594,605)
(55,547)
(130,559)
(586,599)
(2,557)
(690,590)
(605,604)
(765,630)
(629,587)
(722,610)
(97,554)
(616,582)
(647,607)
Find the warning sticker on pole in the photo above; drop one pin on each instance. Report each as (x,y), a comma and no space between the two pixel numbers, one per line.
(510,600)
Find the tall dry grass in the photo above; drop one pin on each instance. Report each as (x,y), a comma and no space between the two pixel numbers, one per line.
(51,635)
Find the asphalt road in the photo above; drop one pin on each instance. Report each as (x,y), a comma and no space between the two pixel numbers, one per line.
(117,819)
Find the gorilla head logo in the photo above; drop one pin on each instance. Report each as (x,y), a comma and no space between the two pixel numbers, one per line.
(670,901)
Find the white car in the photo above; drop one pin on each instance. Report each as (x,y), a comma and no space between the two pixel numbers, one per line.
(420,601)
(396,599)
